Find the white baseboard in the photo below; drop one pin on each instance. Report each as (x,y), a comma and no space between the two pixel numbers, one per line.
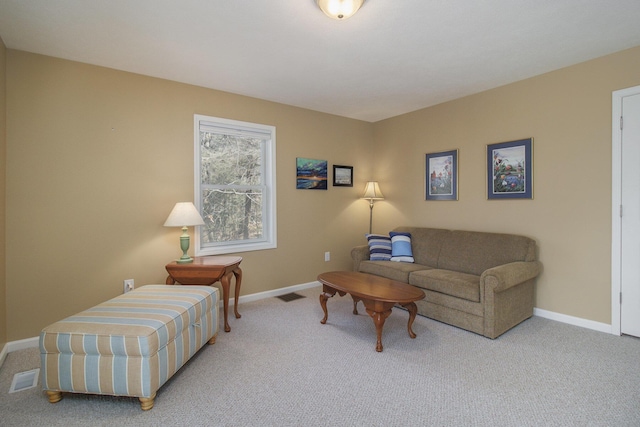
(3,354)
(276,292)
(34,342)
(576,321)
(23,344)
(12,346)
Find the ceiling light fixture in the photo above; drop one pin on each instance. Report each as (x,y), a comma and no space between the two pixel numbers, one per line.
(339,9)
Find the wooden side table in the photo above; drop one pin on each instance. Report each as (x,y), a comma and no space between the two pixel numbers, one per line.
(207,270)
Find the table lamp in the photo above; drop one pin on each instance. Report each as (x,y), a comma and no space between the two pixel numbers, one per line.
(372,192)
(184,214)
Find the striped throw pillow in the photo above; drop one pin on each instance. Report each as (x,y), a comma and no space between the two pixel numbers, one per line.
(401,247)
(379,247)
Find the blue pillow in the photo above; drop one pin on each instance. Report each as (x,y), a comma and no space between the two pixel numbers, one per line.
(401,247)
(379,247)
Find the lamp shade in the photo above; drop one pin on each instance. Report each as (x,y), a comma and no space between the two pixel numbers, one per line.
(184,214)
(372,191)
(339,9)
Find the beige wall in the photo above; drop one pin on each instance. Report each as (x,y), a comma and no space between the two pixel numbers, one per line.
(568,113)
(96,160)
(3,145)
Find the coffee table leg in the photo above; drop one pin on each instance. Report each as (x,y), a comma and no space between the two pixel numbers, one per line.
(327,293)
(413,310)
(378,319)
(355,304)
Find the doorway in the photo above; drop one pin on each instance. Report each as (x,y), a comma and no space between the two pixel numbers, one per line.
(625,248)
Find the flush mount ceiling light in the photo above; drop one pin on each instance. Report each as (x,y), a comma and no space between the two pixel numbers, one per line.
(339,9)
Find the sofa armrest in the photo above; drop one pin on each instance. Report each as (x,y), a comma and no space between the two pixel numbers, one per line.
(505,276)
(508,295)
(358,254)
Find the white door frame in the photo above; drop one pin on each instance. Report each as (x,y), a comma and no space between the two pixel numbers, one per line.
(616,202)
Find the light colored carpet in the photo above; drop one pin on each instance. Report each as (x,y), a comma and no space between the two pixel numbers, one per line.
(280,367)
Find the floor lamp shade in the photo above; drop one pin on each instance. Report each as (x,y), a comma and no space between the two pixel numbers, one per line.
(184,214)
(372,192)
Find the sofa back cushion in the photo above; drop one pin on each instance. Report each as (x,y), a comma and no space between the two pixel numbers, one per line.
(426,243)
(474,252)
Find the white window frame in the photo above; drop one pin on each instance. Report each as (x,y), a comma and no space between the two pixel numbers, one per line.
(269,239)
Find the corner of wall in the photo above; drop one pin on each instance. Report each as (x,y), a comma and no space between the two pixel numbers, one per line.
(3,168)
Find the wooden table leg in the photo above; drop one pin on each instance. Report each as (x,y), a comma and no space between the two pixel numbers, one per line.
(224,281)
(413,310)
(378,320)
(379,311)
(212,340)
(327,292)
(238,274)
(355,304)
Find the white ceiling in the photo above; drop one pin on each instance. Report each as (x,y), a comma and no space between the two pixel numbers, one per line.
(392,57)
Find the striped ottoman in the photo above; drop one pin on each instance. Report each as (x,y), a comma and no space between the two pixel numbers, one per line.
(130,345)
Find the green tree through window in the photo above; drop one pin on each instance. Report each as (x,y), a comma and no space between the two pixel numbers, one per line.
(235,185)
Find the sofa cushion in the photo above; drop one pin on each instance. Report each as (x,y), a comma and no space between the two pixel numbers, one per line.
(460,285)
(401,247)
(391,270)
(379,247)
(474,252)
(425,243)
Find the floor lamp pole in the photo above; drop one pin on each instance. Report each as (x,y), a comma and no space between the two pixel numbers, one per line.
(370,215)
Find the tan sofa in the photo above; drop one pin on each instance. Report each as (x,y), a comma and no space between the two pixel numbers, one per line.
(481,282)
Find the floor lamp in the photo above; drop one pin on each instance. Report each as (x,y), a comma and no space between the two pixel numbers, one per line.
(372,192)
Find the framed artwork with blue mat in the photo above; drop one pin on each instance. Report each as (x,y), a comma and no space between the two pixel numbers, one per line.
(442,176)
(510,170)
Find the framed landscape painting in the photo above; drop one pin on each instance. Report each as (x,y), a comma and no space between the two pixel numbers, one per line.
(311,174)
(510,170)
(442,175)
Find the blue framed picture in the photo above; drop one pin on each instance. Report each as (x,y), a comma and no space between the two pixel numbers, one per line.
(442,176)
(510,170)
(311,174)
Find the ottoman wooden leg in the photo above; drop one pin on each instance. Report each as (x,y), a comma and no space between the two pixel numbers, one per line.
(54,396)
(146,403)
(212,340)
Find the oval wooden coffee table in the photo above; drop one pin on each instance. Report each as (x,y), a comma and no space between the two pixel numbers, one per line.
(378,294)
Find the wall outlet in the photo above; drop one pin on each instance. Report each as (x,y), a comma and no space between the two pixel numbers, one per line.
(327,256)
(128,286)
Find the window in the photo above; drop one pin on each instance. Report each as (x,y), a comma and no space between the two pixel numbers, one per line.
(235,190)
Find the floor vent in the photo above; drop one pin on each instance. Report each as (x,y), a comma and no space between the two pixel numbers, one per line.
(290,297)
(24,380)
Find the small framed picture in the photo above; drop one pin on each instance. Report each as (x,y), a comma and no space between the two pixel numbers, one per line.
(442,175)
(510,170)
(342,176)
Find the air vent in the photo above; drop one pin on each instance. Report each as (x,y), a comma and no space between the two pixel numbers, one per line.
(290,297)
(24,380)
